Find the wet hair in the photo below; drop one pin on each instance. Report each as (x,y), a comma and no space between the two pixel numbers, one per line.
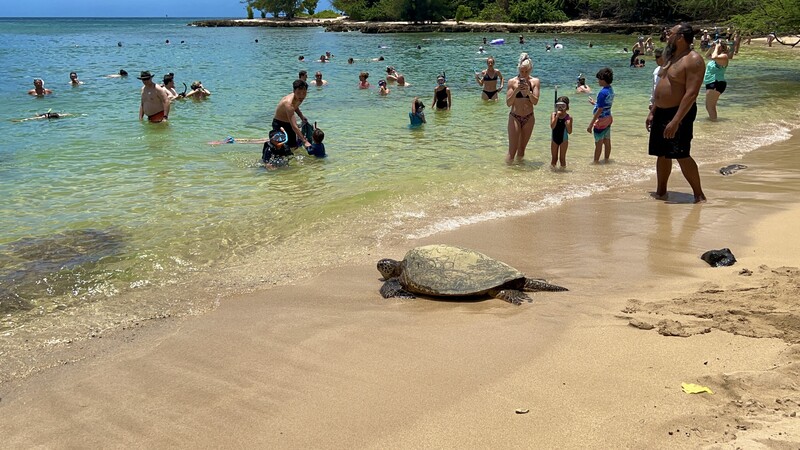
(382,83)
(318,74)
(123,72)
(364,75)
(563,99)
(581,81)
(73,73)
(525,61)
(318,135)
(389,69)
(606,75)
(686,30)
(302,74)
(299,84)
(196,85)
(380,58)
(658,53)
(349,60)
(301,57)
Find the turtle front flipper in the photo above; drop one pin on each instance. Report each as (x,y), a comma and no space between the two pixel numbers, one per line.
(532,284)
(393,288)
(512,296)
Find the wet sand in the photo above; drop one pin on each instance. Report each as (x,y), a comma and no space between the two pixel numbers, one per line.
(328,363)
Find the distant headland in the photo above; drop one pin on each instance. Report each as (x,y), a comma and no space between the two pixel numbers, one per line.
(342,24)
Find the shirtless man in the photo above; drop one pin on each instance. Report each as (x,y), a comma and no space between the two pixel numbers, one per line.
(155,100)
(671,119)
(38,88)
(318,81)
(287,108)
(169,85)
(73,79)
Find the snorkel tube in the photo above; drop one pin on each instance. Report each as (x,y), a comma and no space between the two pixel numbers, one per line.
(183,94)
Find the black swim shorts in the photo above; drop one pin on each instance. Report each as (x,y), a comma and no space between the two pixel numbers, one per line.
(287,127)
(718,86)
(677,147)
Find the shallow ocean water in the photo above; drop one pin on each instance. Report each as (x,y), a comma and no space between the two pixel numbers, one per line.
(106,219)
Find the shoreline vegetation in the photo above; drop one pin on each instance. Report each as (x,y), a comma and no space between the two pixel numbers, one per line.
(346,25)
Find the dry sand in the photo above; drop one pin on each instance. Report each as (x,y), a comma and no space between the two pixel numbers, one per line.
(328,363)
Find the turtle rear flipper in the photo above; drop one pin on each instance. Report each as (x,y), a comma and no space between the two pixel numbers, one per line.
(512,296)
(392,288)
(533,285)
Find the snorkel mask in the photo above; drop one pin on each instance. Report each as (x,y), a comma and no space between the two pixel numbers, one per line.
(279,138)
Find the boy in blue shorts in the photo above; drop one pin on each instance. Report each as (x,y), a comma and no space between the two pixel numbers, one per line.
(601,121)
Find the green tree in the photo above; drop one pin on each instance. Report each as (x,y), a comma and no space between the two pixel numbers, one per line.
(536,11)
(779,16)
(288,7)
(310,6)
(249,12)
(492,12)
(463,12)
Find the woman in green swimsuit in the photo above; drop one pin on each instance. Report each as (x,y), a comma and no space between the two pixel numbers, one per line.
(715,77)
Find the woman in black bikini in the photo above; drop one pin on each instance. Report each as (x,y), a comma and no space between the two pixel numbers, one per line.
(488,79)
(441,94)
(522,95)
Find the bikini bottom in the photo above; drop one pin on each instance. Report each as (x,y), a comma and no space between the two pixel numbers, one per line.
(522,120)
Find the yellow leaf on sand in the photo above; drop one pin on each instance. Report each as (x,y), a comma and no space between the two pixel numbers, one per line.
(691,388)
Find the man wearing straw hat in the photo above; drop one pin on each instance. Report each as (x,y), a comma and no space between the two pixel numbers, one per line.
(155,100)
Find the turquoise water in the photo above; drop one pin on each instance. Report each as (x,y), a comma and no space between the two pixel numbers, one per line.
(106,219)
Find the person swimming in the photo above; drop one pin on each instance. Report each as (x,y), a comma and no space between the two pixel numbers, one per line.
(45,115)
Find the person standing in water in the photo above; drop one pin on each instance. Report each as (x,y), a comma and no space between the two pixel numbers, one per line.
(488,79)
(155,100)
(441,94)
(522,95)
(39,89)
(714,78)
(286,110)
(671,119)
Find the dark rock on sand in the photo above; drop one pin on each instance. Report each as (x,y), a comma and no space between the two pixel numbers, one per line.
(732,169)
(718,258)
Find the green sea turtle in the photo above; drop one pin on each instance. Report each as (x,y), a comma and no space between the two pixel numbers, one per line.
(448,271)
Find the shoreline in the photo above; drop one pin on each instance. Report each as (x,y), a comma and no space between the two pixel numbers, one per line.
(327,356)
(447,26)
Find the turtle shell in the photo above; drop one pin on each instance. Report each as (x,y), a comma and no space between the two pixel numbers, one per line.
(452,271)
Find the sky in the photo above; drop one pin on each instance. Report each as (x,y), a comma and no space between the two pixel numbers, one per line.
(147,8)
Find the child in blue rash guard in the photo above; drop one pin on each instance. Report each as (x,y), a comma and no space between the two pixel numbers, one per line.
(416,115)
(317,148)
(601,121)
(275,152)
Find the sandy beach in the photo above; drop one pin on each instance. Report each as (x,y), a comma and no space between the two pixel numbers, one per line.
(329,363)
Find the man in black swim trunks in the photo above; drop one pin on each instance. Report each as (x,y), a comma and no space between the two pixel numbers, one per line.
(671,119)
(287,108)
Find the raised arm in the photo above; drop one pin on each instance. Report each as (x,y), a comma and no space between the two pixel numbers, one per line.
(535,92)
(513,88)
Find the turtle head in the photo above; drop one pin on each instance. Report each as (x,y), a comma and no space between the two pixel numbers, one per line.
(390,268)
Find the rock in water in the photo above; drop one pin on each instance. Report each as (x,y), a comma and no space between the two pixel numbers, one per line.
(733,168)
(718,258)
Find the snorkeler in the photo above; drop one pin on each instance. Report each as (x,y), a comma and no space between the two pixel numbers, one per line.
(45,115)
